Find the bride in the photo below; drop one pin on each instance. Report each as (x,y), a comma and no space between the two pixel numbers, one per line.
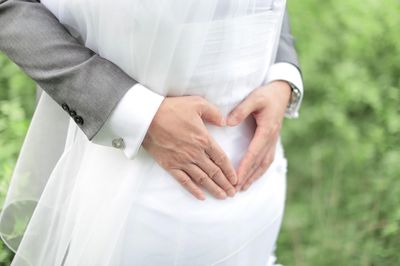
(209,61)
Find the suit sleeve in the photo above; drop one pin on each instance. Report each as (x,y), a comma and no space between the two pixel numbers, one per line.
(286,48)
(287,67)
(85,85)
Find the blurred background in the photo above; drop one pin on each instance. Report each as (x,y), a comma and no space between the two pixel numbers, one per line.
(343,197)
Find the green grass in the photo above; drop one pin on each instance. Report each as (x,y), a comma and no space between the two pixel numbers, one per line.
(343,205)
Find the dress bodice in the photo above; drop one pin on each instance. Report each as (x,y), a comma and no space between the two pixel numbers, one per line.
(217,49)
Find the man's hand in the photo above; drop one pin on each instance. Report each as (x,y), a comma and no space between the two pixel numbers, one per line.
(180,142)
(267,104)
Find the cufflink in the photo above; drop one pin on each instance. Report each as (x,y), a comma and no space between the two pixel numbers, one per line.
(118,143)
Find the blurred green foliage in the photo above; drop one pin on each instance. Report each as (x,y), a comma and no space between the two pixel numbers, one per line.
(17,102)
(343,205)
(344,150)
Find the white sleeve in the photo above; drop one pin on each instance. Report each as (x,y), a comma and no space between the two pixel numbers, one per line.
(130,120)
(290,73)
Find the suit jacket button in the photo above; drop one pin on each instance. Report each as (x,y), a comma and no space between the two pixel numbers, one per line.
(72,113)
(65,107)
(78,120)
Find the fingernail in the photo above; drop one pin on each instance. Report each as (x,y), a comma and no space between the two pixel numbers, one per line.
(231,192)
(222,195)
(232,120)
(245,187)
(235,180)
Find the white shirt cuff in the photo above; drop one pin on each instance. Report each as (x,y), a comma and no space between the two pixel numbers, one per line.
(290,73)
(130,119)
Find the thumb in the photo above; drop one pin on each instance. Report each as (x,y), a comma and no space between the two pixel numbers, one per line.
(211,113)
(241,111)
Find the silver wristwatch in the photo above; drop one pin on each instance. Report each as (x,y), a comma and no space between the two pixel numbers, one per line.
(294,102)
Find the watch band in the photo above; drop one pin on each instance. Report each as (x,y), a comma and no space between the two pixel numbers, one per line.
(294,102)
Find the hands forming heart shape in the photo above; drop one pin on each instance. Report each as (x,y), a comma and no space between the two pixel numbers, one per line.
(179,140)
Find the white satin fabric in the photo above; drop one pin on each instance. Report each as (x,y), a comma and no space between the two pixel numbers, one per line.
(91,205)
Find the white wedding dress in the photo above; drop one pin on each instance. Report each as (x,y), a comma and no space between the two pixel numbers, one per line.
(93,206)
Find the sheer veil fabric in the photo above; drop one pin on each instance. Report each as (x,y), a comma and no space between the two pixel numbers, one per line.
(72,202)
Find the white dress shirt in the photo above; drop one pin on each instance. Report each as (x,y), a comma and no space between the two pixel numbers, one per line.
(132,116)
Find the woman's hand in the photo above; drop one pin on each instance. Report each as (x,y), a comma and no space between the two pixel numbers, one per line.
(267,104)
(180,142)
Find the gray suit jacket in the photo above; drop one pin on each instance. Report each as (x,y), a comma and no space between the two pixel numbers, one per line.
(84,84)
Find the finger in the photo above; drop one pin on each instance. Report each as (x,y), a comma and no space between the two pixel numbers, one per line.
(219,157)
(253,154)
(253,168)
(201,178)
(262,159)
(211,113)
(248,183)
(212,171)
(242,110)
(243,182)
(187,183)
(263,166)
(260,170)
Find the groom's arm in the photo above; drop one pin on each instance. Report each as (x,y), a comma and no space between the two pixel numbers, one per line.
(287,67)
(286,49)
(87,86)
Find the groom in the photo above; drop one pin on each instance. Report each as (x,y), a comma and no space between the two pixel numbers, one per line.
(113,109)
